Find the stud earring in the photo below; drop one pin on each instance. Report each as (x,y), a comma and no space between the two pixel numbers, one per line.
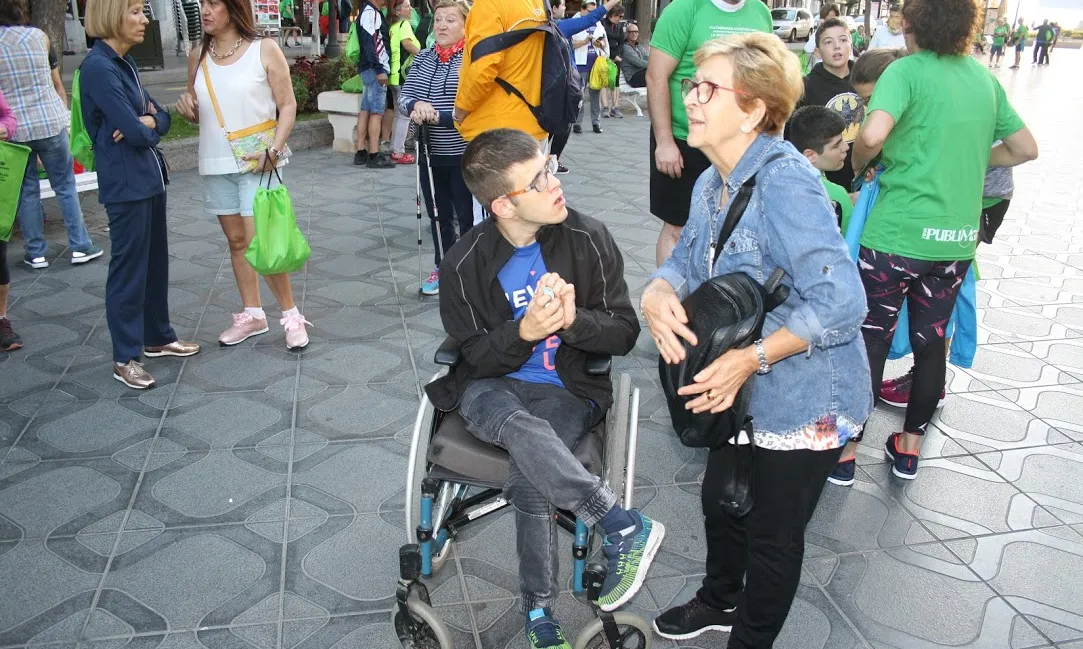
(745,128)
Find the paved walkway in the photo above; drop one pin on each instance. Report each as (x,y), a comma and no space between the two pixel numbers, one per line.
(254,499)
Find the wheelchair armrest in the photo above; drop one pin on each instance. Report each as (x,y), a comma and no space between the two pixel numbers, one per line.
(448,354)
(599,364)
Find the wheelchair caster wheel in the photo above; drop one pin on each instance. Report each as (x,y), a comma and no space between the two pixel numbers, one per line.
(634,632)
(420,627)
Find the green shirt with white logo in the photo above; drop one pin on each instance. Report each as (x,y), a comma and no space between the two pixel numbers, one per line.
(1000,34)
(948,111)
(685,25)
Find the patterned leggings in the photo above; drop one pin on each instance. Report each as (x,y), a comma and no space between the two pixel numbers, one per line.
(930,288)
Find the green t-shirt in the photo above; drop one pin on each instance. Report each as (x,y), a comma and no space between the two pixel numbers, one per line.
(948,111)
(837,194)
(999,35)
(400,58)
(1021,34)
(685,25)
(285,9)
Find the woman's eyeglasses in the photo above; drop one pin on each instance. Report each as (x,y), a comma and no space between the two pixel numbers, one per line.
(704,89)
(540,182)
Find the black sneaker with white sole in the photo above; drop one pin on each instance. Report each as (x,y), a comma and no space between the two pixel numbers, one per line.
(693,618)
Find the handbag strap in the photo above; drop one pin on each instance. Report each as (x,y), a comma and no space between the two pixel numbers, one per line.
(210,91)
(737,209)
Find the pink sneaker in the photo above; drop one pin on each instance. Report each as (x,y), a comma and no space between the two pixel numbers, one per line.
(244,327)
(296,334)
(896,392)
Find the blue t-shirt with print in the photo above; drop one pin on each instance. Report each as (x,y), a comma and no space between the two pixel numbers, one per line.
(519,277)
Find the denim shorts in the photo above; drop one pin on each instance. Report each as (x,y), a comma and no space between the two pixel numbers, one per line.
(374,95)
(225,194)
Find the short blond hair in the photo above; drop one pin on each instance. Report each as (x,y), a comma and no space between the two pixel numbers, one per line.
(103,18)
(763,69)
(462,5)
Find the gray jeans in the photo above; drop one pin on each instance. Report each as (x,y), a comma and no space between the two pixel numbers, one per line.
(595,107)
(538,424)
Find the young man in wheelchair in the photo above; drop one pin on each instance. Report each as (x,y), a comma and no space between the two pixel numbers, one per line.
(528,294)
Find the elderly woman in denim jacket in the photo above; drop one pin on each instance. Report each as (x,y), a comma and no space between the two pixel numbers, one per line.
(811,397)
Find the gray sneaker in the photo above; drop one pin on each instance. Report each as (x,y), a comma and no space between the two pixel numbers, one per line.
(83,256)
(133,375)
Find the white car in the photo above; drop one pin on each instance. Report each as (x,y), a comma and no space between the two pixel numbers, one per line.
(791,24)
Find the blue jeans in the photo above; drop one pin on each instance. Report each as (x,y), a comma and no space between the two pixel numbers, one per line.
(538,425)
(55,154)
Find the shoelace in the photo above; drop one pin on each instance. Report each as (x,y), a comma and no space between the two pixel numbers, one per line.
(434,276)
(544,632)
(241,319)
(136,368)
(294,322)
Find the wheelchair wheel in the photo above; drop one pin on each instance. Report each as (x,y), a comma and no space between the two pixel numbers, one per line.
(616,436)
(417,463)
(420,627)
(635,633)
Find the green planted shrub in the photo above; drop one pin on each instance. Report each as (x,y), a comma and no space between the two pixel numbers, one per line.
(313,75)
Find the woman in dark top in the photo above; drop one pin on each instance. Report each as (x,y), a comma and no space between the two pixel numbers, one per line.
(614,32)
(126,125)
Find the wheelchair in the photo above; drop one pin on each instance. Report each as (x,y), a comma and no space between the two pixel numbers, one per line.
(453,479)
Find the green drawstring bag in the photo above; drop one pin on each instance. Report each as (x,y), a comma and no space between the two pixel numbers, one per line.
(278,246)
(82,146)
(353,84)
(614,74)
(13,158)
(353,46)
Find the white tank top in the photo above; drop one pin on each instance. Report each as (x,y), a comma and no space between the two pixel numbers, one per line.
(245,99)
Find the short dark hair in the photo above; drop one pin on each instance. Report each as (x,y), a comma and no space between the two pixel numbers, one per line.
(489,156)
(828,24)
(12,14)
(812,126)
(826,10)
(945,27)
(870,66)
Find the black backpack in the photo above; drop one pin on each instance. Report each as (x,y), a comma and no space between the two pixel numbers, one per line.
(561,86)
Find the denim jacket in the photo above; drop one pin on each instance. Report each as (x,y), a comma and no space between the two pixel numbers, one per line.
(788,224)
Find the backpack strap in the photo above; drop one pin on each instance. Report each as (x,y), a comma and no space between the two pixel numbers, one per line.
(737,209)
(506,40)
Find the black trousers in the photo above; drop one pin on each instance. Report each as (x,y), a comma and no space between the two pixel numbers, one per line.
(754,563)
(452,198)
(1041,53)
(5,274)
(560,140)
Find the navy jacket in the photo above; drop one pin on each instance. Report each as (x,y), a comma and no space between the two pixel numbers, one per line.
(113,99)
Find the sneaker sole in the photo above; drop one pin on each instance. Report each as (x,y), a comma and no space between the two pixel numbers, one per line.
(688,636)
(436,292)
(150,354)
(82,260)
(840,482)
(898,474)
(134,387)
(654,541)
(36,266)
(296,347)
(902,404)
(222,343)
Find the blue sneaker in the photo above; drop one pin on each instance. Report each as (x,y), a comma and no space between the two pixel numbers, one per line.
(83,256)
(904,465)
(543,631)
(629,557)
(431,286)
(843,473)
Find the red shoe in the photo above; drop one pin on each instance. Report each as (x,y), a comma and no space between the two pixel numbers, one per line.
(403,158)
(896,392)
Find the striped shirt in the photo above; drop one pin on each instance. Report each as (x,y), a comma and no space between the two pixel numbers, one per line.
(435,82)
(27,84)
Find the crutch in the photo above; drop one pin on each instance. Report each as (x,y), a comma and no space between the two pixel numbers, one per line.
(423,141)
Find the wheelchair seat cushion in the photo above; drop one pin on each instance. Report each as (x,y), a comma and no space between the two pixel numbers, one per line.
(455,449)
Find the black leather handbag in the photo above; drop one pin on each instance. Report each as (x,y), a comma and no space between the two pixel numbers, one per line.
(726,312)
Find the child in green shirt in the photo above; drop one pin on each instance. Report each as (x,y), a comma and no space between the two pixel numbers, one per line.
(817,132)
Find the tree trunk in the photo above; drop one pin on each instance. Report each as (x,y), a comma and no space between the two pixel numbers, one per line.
(868,19)
(644,18)
(48,16)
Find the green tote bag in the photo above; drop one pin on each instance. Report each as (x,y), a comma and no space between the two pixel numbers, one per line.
(278,246)
(13,159)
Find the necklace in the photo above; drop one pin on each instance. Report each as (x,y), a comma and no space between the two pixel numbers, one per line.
(228,54)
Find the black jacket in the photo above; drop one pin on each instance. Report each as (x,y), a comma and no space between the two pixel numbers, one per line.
(825,89)
(475,311)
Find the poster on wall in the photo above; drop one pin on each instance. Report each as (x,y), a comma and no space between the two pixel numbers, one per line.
(268,21)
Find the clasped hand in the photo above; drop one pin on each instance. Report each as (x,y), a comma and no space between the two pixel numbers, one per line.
(148,121)
(546,314)
(424,113)
(718,383)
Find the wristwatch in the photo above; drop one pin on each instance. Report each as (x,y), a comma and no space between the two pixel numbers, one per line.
(765,367)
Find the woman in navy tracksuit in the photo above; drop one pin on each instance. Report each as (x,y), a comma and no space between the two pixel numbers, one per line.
(126,125)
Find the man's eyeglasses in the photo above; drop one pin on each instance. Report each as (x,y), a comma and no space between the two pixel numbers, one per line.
(540,182)
(704,89)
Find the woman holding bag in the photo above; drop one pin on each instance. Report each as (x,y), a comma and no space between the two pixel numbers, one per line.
(237,84)
(126,125)
(9,340)
(810,396)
